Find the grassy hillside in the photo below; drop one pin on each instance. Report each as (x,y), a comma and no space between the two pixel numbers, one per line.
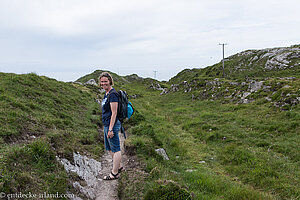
(227,138)
(217,150)
(41,118)
(272,62)
(119,80)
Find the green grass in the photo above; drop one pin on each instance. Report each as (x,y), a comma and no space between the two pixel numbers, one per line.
(218,149)
(33,168)
(41,118)
(244,66)
(250,150)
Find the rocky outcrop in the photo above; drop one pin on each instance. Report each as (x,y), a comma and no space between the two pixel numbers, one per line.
(91,82)
(87,169)
(241,92)
(157,87)
(263,61)
(270,62)
(254,86)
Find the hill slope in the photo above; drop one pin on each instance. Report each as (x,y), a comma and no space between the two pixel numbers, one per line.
(271,62)
(217,148)
(225,138)
(41,118)
(118,79)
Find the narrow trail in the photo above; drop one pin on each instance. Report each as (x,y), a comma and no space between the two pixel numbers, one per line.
(108,190)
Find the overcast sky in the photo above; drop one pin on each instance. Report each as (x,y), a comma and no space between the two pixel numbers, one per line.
(66,39)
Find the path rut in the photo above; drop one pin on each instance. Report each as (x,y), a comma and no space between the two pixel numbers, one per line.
(108,190)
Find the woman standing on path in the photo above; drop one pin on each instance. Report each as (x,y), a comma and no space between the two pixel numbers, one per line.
(111,124)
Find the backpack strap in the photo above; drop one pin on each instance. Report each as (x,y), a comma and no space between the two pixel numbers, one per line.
(123,130)
(110,92)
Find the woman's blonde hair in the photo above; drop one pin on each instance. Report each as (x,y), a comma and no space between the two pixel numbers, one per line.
(107,75)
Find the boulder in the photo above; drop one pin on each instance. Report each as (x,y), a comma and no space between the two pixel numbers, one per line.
(255,86)
(163,153)
(91,82)
(87,169)
(268,99)
(245,95)
(174,88)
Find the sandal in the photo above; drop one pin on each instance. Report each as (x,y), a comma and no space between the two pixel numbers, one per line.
(112,177)
(121,169)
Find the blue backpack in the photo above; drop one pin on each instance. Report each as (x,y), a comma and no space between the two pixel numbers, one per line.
(125,108)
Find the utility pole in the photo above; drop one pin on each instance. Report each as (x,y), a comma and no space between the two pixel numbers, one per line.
(155,74)
(223,58)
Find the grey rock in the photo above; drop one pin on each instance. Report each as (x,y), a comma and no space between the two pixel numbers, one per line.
(87,169)
(91,82)
(155,86)
(246,101)
(214,83)
(246,53)
(84,190)
(164,91)
(163,153)
(190,170)
(255,86)
(78,83)
(254,58)
(280,61)
(268,55)
(233,83)
(283,58)
(289,78)
(245,95)
(266,88)
(174,88)
(188,89)
(268,99)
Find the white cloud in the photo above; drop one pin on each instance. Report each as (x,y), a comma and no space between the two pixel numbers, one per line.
(137,36)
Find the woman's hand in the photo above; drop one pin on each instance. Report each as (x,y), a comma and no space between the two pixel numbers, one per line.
(110,134)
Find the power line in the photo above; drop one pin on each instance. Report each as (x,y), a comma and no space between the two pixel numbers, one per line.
(155,74)
(223,44)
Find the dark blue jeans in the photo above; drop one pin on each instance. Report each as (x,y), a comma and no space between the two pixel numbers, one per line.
(112,144)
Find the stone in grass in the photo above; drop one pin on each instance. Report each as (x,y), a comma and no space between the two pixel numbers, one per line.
(163,153)
(91,82)
(190,170)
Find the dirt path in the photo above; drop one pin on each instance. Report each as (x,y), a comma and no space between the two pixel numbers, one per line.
(107,190)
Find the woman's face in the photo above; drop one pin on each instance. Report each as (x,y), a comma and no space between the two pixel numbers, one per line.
(104,82)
